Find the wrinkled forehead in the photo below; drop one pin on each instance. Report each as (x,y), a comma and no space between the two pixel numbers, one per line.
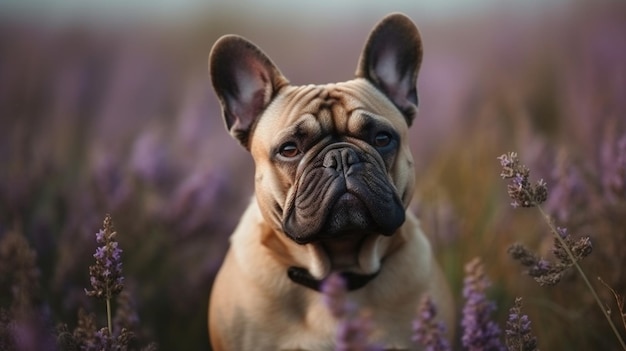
(341,108)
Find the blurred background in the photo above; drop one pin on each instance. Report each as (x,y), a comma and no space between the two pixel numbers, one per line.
(106,107)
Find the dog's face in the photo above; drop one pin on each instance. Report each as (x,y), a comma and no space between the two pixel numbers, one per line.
(333,165)
(327,162)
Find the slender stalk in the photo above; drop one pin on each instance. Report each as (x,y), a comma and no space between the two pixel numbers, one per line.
(618,300)
(109,316)
(582,274)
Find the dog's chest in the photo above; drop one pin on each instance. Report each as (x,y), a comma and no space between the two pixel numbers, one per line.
(310,326)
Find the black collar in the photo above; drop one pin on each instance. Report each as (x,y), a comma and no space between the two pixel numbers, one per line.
(353,281)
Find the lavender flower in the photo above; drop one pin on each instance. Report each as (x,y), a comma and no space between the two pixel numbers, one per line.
(580,248)
(65,339)
(101,340)
(107,281)
(353,334)
(546,272)
(567,251)
(83,337)
(85,332)
(18,271)
(523,194)
(517,334)
(569,194)
(614,169)
(429,332)
(24,322)
(7,341)
(354,328)
(520,190)
(126,314)
(87,337)
(106,275)
(334,294)
(479,332)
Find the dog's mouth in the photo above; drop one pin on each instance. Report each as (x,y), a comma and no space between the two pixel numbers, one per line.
(342,252)
(354,256)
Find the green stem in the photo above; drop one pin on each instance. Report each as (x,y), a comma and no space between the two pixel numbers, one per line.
(109,316)
(582,274)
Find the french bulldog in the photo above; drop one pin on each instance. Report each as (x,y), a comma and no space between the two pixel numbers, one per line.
(334,176)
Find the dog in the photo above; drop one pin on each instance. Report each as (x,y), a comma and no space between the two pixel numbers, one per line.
(334,176)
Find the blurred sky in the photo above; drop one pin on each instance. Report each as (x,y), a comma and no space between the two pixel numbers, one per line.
(63,11)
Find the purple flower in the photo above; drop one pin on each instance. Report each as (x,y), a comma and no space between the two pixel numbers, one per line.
(521,191)
(103,340)
(580,248)
(479,332)
(353,334)
(334,294)
(546,272)
(525,195)
(614,168)
(427,331)
(517,334)
(354,328)
(106,275)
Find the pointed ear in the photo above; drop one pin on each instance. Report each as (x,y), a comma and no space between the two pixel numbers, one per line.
(245,81)
(391,60)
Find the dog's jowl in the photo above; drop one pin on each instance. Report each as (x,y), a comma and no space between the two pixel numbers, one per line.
(333,179)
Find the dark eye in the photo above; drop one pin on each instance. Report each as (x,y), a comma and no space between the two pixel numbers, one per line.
(289,150)
(382,139)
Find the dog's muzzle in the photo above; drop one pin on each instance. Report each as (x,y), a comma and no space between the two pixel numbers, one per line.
(344,190)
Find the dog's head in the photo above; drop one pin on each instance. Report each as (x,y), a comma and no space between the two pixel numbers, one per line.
(333,165)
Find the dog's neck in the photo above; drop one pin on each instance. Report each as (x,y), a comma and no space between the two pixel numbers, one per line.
(354,281)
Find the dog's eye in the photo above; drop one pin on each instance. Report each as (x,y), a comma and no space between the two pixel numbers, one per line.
(382,139)
(289,150)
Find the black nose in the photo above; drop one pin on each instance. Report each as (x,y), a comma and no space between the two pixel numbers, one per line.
(341,159)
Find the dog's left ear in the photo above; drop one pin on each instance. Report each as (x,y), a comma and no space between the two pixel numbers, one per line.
(391,60)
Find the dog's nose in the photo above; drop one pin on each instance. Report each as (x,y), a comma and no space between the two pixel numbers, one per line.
(341,159)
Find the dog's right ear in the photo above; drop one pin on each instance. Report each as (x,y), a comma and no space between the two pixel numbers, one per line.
(245,81)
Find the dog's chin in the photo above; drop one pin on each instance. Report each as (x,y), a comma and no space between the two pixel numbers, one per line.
(353,256)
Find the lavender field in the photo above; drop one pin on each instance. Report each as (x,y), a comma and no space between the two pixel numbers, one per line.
(122,120)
